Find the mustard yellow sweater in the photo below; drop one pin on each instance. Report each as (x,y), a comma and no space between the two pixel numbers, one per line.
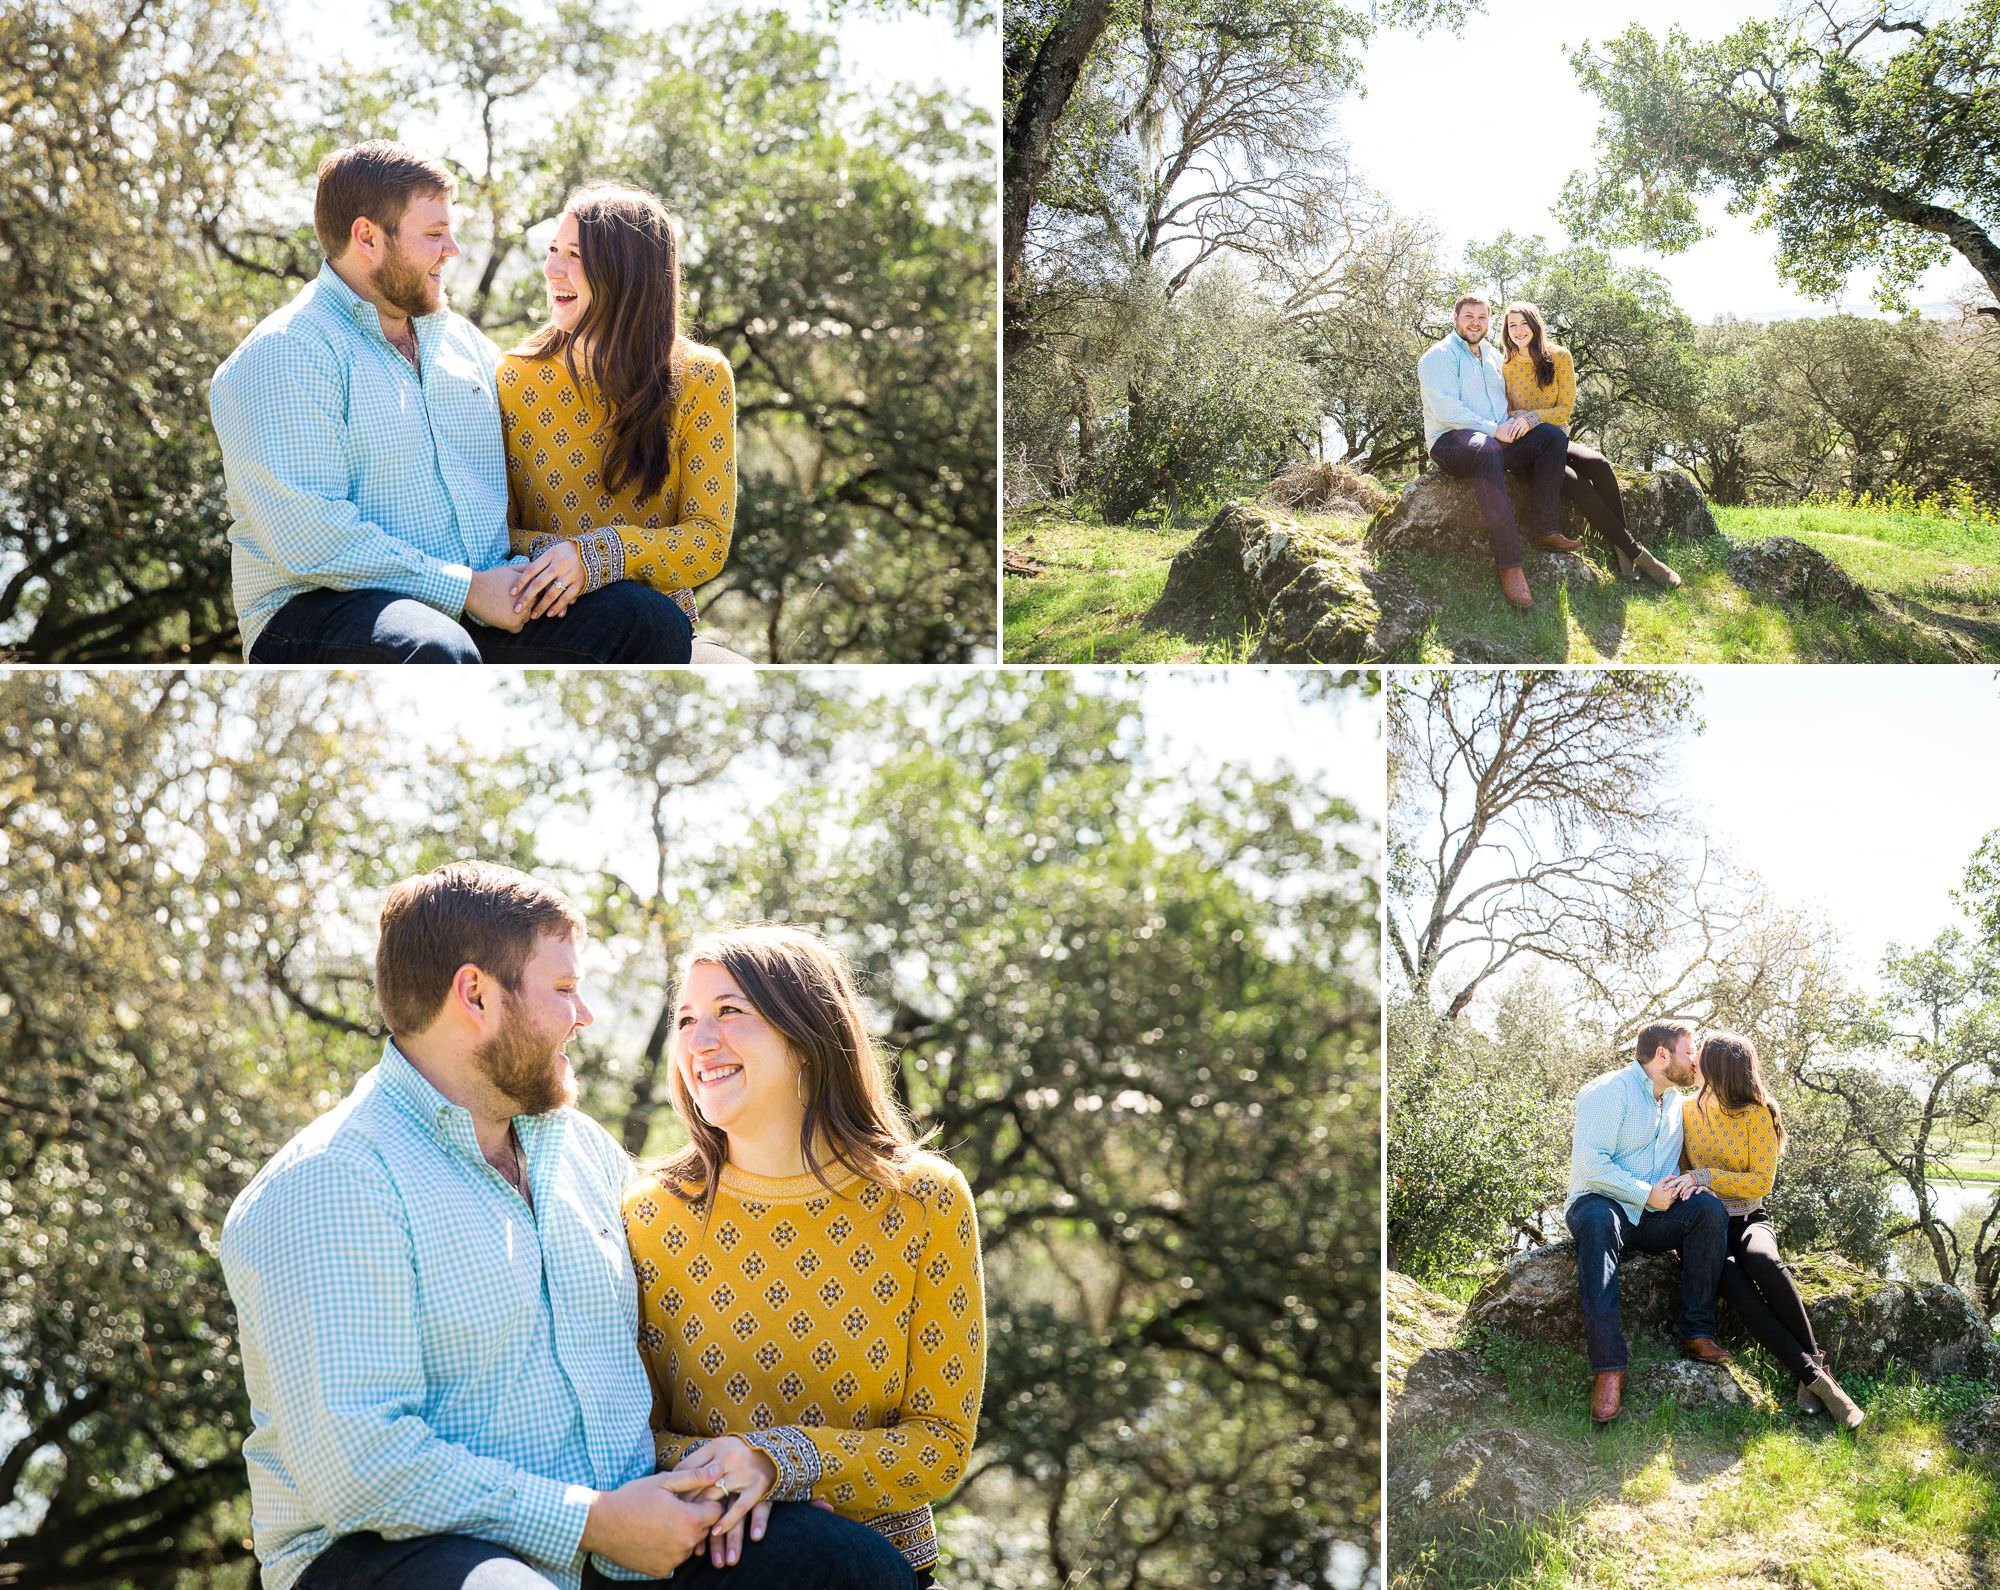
(843,1333)
(1734,1153)
(555,439)
(1553,403)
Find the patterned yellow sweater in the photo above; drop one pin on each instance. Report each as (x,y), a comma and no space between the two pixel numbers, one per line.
(843,1333)
(1734,1153)
(1551,404)
(555,439)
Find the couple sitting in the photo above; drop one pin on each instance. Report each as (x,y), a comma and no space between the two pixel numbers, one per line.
(401,491)
(1646,1176)
(484,1353)
(1486,417)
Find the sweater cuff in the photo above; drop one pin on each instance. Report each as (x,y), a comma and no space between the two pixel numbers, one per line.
(798,1460)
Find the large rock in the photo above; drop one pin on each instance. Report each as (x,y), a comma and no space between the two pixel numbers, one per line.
(1866,1324)
(1426,1377)
(1787,570)
(1480,1477)
(1438,513)
(1253,568)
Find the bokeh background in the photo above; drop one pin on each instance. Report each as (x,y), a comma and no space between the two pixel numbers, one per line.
(830,168)
(1120,934)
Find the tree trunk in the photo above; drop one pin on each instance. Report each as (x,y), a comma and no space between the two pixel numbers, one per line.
(1046,87)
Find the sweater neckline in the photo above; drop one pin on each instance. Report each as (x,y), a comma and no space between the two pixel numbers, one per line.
(784,1189)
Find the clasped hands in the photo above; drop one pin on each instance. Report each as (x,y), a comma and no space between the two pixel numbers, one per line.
(1514,429)
(706,1502)
(1669,1190)
(546,587)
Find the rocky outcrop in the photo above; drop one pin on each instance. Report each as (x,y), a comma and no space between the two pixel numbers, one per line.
(1294,587)
(1866,1324)
(1787,570)
(1437,513)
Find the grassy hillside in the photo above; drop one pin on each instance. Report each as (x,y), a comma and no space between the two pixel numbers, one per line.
(1098,583)
(1725,1498)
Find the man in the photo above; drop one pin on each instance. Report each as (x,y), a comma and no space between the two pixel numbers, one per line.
(438,1313)
(360,432)
(1469,435)
(1626,1194)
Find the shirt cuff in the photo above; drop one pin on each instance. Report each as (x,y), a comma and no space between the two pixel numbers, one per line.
(452,584)
(548,1518)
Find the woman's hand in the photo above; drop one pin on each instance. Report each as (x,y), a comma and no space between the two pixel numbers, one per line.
(547,586)
(745,1476)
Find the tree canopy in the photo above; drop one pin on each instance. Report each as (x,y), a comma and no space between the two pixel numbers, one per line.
(1863,137)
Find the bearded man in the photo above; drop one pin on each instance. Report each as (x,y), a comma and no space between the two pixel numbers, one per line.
(361,444)
(1627,1195)
(438,1312)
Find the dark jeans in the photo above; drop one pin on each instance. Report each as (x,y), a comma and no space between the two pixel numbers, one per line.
(1592,484)
(1697,1226)
(625,622)
(804,1548)
(1475,456)
(1761,1291)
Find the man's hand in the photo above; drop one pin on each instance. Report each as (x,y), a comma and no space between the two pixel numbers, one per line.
(547,586)
(490,599)
(1513,429)
(653,1524)
(745,1479)
(1663,1193)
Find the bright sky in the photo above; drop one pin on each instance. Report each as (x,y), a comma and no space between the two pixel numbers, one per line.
(1863,791)
(1409,138)
(918,51)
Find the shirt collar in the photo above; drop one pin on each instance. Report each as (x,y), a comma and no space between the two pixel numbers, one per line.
(1644,1083)
(430,1109)
(353,307)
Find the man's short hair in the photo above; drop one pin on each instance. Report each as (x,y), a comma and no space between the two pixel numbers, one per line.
(463,912)
(1468,298)
(376,179)
(1658,1035)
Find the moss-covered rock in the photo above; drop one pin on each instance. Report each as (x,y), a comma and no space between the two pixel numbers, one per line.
(1438,513)
(1258,571)
(1866,1324)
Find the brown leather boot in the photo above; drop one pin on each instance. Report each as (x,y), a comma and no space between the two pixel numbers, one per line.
(1705,1350)
(1607,1392)
(1514,586)
(1555,541)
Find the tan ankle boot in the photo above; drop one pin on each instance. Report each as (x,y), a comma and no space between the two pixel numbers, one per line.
(1649,566)
(1838,1403)
(1808,1403)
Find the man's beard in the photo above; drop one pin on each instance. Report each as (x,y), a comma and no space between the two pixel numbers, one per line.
(406,286)
(1683,1078)
(524,1066)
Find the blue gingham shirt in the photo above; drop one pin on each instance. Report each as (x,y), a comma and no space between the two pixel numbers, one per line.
(346,468)
(426,1354)
(1625,1140)
(1461,391)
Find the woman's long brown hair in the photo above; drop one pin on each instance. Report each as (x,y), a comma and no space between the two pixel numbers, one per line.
(1541,351)
(630,332)
(806,990)
(1730,1071)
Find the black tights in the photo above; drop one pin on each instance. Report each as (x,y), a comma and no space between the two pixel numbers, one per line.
(1756,1284)
(1591,483)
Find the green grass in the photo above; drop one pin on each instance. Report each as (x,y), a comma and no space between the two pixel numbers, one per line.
(1670,1497)
(1100,581)
(1091,602)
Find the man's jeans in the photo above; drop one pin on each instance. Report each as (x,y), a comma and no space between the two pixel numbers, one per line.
(1697,1226)
(1540,455)
(804,1548)
(624,622)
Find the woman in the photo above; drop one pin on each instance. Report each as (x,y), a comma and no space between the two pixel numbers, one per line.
(812,1309)
(1732,1137)
(620,433)
(1541,384)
